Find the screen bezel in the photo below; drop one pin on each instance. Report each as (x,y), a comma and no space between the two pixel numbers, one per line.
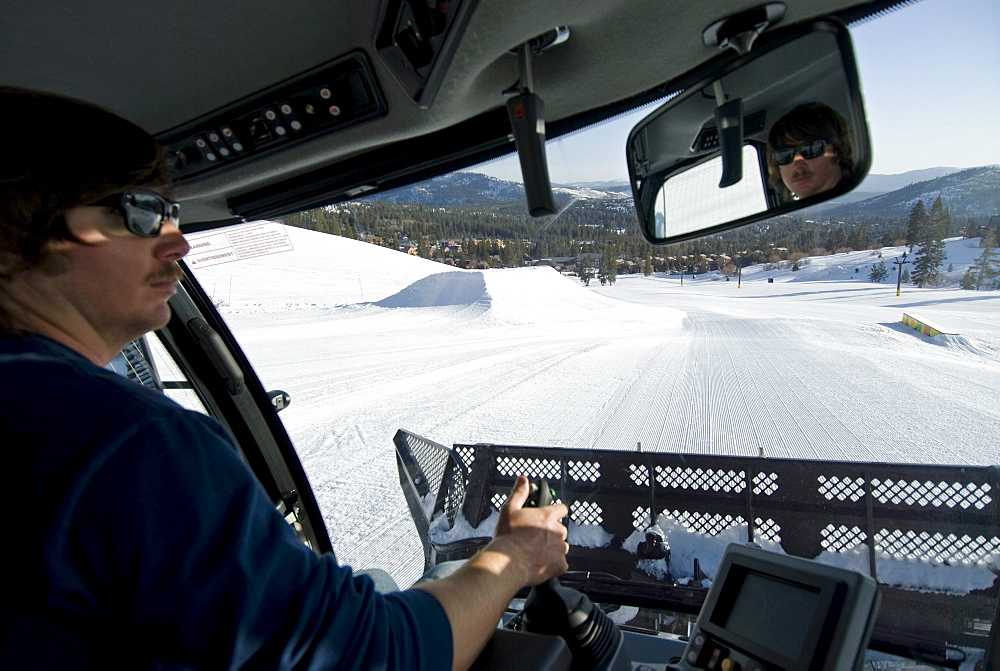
(831,595)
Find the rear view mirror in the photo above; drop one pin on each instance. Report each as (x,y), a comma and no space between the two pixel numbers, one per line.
(702,163)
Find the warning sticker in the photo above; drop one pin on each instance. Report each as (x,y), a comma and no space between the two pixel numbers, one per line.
(235,244)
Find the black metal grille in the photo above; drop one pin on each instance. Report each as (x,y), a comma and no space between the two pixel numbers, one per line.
(710,524)
(639,474)
(697,478)
(640,518)
(434,480)
(936,546)
(584,470)
(807,506)
(765,484)
(550,469)
(841,538)
(841,489)
(768,530)
(586,512)
(497,500)
(935,494)
(936,514)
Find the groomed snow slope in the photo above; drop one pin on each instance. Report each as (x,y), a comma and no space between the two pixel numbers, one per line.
(813,365)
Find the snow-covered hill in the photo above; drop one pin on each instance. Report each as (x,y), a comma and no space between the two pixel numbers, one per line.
(815,364)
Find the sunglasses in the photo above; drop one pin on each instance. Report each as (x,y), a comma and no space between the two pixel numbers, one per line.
(143,211)
(786,155)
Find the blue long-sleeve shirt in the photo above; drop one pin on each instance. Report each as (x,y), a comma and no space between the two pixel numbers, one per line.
(135,537)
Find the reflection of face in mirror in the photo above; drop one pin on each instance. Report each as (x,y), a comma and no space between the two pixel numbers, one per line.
(809,151)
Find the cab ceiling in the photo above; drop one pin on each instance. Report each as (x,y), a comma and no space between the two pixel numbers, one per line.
(163,65)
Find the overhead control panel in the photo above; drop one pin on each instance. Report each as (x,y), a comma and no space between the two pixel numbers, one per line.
(417,40)
(331,97)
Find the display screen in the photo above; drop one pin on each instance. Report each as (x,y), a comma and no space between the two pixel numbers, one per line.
(775,613)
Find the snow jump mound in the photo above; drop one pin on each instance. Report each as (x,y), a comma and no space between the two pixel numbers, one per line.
(450,288)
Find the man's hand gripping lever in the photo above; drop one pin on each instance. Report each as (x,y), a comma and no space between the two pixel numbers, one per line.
(595,641)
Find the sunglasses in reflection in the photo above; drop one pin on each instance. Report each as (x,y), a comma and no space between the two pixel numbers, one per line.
(786,155)
(143,211)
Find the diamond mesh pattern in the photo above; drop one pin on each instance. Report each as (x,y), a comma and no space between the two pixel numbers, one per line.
(840,538)
(727,487)
(431,458)
(533,468)
(454,493)
(698,478)
(940,547)
(842,489)
(768,530)
(705,523)
(466,455)
(639,474)
(640,518)
(498,500)
(586,512)
(932,494)
(584,470)
(765,483)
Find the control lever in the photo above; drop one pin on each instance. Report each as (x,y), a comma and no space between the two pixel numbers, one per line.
(595,641)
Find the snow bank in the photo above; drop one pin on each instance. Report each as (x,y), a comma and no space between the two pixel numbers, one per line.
(687,546)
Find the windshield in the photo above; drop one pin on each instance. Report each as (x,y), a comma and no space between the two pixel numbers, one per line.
(833,335)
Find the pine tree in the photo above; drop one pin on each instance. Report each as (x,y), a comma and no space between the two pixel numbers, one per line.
(836,240)
(931,241)
(991,227)
(929,258)
(985,271)
(879,272)
(586,271)
(916,224)
(608,271)
(858,237)
(938,220)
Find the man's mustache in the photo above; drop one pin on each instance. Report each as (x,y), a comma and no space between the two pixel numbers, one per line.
(170,273)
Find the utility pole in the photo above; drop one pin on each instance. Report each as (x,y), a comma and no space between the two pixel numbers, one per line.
(899,263)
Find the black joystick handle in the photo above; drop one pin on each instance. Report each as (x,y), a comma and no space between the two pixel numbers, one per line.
(539,494)
(595,641)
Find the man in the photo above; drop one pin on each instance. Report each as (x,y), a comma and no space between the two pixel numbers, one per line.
(138,537)
(809,151)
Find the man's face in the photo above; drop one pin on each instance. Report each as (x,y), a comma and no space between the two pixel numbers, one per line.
(807,176)
(117,286)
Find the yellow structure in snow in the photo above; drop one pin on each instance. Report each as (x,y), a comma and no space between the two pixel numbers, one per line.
(922,326)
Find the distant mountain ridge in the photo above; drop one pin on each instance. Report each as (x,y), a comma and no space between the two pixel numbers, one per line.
(876,184)
(472,188)
(972,192)
(455,189)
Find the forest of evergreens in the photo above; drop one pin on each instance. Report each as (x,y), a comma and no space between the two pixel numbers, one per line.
(501,234)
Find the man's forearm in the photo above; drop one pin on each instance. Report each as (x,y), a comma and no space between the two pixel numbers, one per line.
(529,546)
(475,597)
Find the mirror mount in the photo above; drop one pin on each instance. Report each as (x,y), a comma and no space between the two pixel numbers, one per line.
(737,32)
(729,121)
(740,30)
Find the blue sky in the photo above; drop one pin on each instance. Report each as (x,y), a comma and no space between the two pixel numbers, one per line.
(921,112)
